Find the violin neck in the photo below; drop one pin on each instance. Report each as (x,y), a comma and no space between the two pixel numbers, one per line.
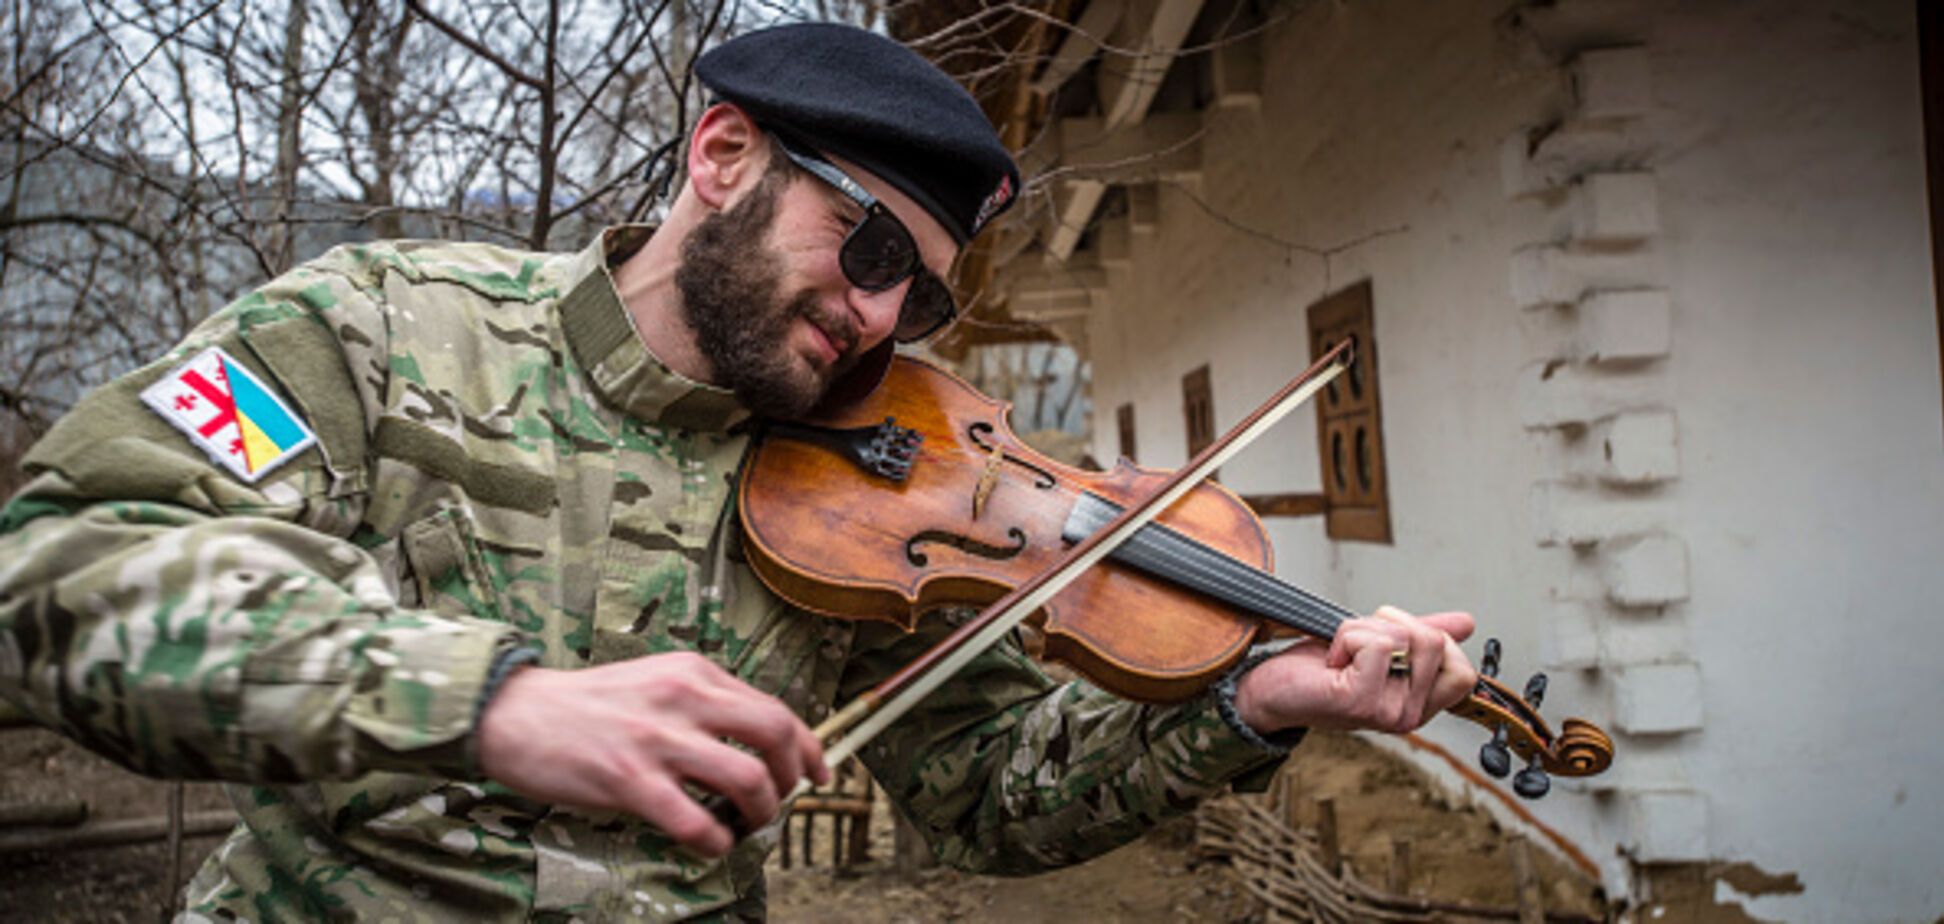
(1162,552)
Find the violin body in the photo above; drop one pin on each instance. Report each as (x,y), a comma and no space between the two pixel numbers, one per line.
(920,496)
(978,513)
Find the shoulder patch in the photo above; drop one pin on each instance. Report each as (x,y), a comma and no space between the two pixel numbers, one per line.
(225,409)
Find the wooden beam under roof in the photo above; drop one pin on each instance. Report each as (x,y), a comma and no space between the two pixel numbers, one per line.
(1161,146)
(1156,28)
(1095,25)
(995,58)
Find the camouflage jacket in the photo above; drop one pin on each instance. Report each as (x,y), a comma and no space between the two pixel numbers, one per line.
(498,462)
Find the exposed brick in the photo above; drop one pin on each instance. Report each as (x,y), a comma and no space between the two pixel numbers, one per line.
(1667,827)
(1639,448)
(1649,570)
(1236,69)
(1563,394)
(1626,325)
(1143,208)
(1563,515)
(1547,275)
(1613,83)
(1571,640)
(1564,27)
(1615,208)
(1657,699)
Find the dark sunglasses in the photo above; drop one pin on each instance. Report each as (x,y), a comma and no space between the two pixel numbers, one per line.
(879,252)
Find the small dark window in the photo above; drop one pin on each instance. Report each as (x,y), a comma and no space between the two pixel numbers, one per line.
(1349,429)
(1198,410)
(1124,419)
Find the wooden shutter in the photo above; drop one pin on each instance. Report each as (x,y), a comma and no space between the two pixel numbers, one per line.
(1124,419)
(1198,411)
(1349,421)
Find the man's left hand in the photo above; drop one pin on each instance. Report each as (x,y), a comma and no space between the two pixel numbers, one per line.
(1350,683)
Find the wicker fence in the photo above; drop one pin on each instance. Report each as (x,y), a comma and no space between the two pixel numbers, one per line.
(1299,872)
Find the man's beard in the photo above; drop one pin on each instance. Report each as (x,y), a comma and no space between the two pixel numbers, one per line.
(731,286)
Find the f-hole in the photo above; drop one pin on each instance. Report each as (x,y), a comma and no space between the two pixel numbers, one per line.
(964,544)
(980,431)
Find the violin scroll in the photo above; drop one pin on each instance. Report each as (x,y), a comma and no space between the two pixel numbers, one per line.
(1579,748)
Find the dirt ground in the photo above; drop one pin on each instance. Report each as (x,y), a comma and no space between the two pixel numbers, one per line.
(1155,879)
(123,884)
(1456,855)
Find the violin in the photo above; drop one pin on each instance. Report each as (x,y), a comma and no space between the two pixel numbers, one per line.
(920,496)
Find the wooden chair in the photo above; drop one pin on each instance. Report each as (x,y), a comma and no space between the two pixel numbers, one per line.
(847,803)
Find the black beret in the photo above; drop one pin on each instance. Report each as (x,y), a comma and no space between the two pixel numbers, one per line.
(869,100)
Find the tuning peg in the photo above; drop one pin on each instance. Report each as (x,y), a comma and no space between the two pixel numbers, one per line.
(1495,757)
(1535,690)
(1489,665)
(1532,782)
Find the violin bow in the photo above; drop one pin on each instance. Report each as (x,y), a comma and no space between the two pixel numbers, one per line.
(1579,749)
(850,728)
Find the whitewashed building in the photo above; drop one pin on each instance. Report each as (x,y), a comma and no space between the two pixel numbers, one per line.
(1657,375)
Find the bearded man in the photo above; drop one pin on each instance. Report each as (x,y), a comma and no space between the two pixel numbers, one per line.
(427,548)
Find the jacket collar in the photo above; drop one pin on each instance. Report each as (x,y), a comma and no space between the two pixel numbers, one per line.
(624,373)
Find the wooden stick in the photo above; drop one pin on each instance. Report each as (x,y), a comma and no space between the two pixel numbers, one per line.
(1292,803)
(14,718)
(174,892)
(809,832)
(1326,832)
(832,805)
(837,841)
(859,850)
(63,814)
(114,833)
(1531,906)
(1400,867)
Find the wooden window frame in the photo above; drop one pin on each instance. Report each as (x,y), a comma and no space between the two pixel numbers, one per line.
(1124,422)
(1198,411)
(1349,421)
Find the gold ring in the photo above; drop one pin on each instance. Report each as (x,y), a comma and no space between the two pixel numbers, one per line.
(1400,663)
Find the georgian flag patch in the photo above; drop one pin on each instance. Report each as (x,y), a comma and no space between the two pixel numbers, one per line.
(230,413)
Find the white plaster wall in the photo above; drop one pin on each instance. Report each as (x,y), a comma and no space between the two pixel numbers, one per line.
(1805,377)
(1376,142)
(1806,355)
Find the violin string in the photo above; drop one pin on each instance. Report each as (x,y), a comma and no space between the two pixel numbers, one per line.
(1262,593)
(1188,561)
(1253,582)
(1199,567)
(1239,582)
(1174,556)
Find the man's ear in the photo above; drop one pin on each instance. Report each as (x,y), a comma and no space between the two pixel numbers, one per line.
(727,153)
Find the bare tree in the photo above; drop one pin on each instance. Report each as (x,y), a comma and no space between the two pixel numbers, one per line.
(157,158)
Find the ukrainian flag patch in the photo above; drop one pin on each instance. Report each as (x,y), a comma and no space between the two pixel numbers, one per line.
(225,409)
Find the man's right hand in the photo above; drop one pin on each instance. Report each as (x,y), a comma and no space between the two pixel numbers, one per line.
(626,736)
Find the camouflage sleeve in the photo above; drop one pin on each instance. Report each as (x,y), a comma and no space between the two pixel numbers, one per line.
(1006,772)
(184,622)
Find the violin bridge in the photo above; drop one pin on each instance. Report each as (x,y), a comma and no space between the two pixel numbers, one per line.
(988,480)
